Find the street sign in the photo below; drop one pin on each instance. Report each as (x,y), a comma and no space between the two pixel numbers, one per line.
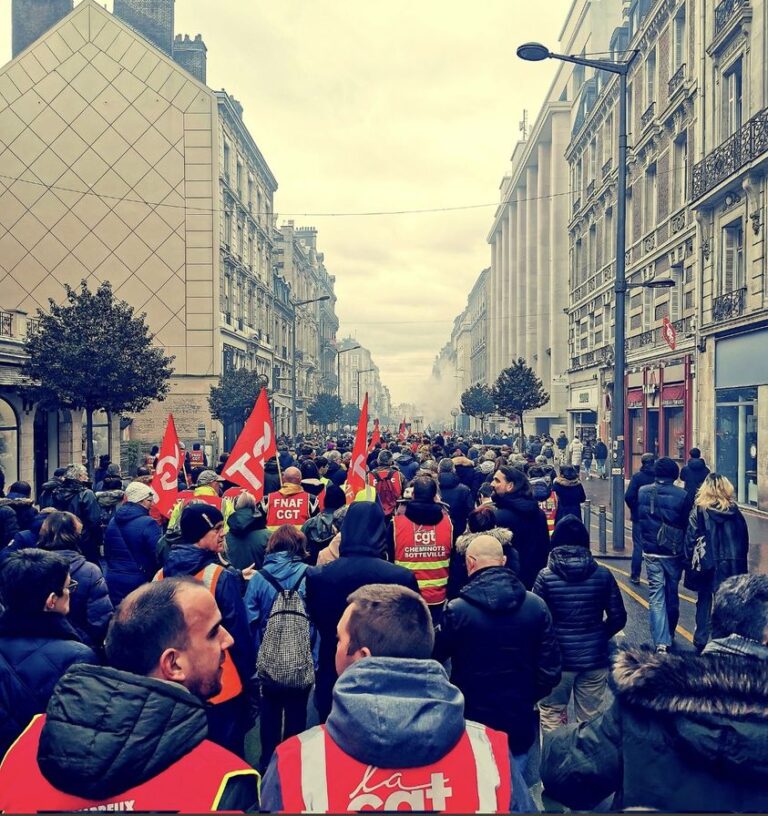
(668,333)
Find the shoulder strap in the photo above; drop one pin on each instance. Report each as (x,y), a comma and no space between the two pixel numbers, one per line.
(272,581)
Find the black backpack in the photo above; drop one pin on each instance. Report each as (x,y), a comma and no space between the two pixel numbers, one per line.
(670,539)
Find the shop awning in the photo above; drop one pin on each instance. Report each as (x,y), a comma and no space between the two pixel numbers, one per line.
(673,396)
(635,398)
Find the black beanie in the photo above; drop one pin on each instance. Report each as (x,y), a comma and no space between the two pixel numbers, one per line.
(570,531)
(334,497)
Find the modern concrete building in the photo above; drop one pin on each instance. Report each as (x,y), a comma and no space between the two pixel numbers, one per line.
(477,313)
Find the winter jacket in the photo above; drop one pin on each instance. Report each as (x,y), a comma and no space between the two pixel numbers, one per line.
(727,538)
(247,538)
(586,606)
(693,475)
(72,496)
(187,559)
(644,476)
(109,501)
(27,538)
(361,561)
(130,550)
(458,576)
(45,498)
(393,713)
(24,509)
(271,477)
(684,733)
(587,454)
(459,499)
(35,651)
(670,506)
(336,474)
(289,571)
(465,470)
(9,525)
(577,452)
(330,553)
(319,531)
(570,496)
(530,535)
(601,451)
(108,731)
(504,653)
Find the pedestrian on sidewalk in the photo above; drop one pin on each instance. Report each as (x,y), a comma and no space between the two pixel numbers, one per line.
(570,493)
(643,477)
(601,456)
(576,451)
(561,443)
(587,455)
(694,473)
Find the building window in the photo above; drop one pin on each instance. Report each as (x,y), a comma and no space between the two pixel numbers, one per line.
(678,40)
(592,251)
(649,315)
(650,78)
(227,229)
(736,440)
(680,171)
(226,160)
(239,179)
(608,139)
(649,199)
(593,160)
(608,236)
(577,262)
(250,194)
(732,268)
(732,99)
(9,442)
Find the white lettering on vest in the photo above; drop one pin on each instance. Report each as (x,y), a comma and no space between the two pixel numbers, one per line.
(127,805)
(364,795)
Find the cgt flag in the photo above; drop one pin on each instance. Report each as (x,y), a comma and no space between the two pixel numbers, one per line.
(356,476)
(403,431)
(165,482)
(254,446)
(375,436)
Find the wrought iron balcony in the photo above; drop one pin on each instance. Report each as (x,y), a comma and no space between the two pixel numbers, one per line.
(647,117)
(729,305)
(647,338)
(6,324)
(726,11)
(677,79)
(736,151)
(607,167)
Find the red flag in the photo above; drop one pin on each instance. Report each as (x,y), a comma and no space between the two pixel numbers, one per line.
(403,431)
(356,476)
(375,436)
(254,446)
(165,482)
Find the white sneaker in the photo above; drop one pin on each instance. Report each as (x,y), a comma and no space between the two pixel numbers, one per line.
(662,649)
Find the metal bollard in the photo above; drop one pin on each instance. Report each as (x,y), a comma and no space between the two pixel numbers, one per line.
(602,542)
(587,515)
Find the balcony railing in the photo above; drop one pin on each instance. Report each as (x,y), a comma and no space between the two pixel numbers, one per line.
(729,305)
(725,12)
(607,167)
(677,79)
(591,284)
(654,337)
(6,324)
(647,117)
(736,151)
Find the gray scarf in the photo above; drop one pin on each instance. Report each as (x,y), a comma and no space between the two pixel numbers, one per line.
(737,645)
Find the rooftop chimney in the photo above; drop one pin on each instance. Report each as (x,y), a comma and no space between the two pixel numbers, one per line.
(192,55)
(32,18)
(153,19)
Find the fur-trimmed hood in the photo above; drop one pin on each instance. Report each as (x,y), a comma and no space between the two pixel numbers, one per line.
(712,706)
(503,535)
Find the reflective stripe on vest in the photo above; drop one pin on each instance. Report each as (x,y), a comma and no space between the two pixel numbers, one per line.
(231,684)
(193,784)
(425,549)
(316,776)
(282,509)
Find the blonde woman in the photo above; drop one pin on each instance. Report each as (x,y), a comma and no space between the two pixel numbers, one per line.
(717,545)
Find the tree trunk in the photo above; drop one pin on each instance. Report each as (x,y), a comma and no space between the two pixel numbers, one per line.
(89,441)
(522,433)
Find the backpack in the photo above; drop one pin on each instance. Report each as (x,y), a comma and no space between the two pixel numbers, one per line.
(541,488)
(670,540)
(386,491)
(285,657)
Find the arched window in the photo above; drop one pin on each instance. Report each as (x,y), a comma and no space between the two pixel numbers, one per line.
(9,442)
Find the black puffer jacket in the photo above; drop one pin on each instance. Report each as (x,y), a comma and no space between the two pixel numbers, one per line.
(693,475)
(530,535)
(659,503)
(459,499)
(643,477)
(24,508)
(570,496)
(684,733)
(504,653)
(578,591)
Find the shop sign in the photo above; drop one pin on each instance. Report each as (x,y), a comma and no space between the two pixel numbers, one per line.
(584,399)
(673,396)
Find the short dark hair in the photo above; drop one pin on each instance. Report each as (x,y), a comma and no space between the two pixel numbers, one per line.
(485,490)
(148,621)
(28,577)
(741,607)
(309,470)
(21,488)
(481,519)
(321,462)
(694,453)
(424,488)
(517,478)
(59,532)
(391,621)
(288,538)
(666,468)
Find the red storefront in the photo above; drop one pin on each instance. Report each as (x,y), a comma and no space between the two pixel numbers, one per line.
(659,402)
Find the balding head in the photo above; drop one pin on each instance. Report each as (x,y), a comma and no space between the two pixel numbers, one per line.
(292,475)
(484,551)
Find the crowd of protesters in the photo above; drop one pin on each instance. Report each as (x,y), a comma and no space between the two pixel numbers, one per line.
(439,626)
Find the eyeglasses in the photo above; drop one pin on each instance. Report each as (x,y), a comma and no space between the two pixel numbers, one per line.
(72,586)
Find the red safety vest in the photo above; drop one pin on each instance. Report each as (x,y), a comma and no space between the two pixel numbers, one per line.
(425,549)
(196,459)
(282,509)
(316,776)
(231,685)
(193,784)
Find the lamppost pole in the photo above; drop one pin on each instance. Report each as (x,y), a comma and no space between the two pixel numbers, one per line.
(364,371)
(294,304)
(339,352)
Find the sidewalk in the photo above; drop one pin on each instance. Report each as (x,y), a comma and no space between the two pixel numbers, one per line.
(599,492)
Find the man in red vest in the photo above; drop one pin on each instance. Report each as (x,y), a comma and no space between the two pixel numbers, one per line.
(423,542)
(396,737)
(132,736)
(291,504)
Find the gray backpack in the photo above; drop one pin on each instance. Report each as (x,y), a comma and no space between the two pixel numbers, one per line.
(285,657)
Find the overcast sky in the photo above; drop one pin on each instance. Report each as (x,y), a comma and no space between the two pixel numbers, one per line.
(362,106)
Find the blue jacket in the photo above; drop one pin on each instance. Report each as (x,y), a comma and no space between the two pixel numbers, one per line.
(130,550)
(35,651)
(671,505)
(260,595)
(187,559)
(407,465)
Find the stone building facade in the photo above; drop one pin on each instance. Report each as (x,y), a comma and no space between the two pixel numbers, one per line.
(360,374)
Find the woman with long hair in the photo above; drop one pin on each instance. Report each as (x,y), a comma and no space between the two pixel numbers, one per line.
(717,545)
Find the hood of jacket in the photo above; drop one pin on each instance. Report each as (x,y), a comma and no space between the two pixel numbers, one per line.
(713,708)
(313,486)
(187,559)
(572,562)
(364,530)
(523,505)
(495,589)
(405,458)
(448,481)
(697,465)
(129,512)
(66,491)
(285,567)
(110,498)
(424,512)
(396,712)
(501,534)
(107,731)
(15,502)
(243,521)
(561,480)
(721,516)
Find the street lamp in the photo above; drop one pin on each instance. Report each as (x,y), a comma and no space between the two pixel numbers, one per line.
(364,371)
(339,352)
(294,304)
(535,52)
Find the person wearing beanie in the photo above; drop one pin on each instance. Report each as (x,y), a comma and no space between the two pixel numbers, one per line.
(663,518)
(587,611)
(247,535)
(198,553)
(319,529)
